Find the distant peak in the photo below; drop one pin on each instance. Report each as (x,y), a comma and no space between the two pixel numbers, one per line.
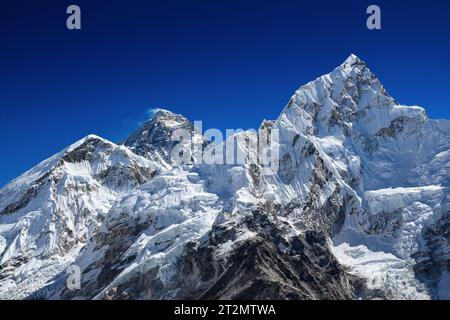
(162,113)
(352,58)
(91,138)
(88,138)
(352,62)
(167,118)
(153,139)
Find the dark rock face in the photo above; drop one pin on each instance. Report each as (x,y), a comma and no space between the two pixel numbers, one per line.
(27,196)
(400,125)
(271,264)
(154,139)
(121,235)
(268,266)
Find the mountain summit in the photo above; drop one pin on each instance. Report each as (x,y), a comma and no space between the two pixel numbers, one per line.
(359,208)
(153,140)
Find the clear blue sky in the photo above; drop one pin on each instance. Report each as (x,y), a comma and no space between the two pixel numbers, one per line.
(230,63)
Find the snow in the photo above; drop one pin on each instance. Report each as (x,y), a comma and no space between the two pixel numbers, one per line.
(63,212)
(383,271)
(181,211)
(383,146)
(343,140)
(392,199)
(35,275)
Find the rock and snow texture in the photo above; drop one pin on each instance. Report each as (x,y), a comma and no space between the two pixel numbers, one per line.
(48,213)
(155,140)
(359,208)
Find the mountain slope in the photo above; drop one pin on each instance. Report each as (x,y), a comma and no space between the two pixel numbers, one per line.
(358,208)
(48,213)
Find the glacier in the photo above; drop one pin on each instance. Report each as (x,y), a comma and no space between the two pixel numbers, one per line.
(358,209)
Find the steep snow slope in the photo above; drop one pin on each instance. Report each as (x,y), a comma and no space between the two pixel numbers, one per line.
(143,236)
(49,212)
(368,142)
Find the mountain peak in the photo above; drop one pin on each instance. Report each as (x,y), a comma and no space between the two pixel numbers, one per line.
(89,139)
(352,59)
(157,113)
(168,118)
(353,64)
(332,101)
(360,185)
(153,139)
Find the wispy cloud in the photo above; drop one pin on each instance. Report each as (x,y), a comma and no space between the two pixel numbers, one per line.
(151,112)
(148,115)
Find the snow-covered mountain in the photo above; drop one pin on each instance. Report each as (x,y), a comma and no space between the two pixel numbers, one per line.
(153,140)
(359,208)
(50,212)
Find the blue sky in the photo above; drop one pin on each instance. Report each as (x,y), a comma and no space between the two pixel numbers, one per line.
(229,63)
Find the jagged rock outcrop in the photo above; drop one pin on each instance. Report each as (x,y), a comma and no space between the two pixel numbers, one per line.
(155,139)
(266,265)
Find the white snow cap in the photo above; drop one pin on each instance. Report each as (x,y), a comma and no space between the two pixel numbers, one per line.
(352,58)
